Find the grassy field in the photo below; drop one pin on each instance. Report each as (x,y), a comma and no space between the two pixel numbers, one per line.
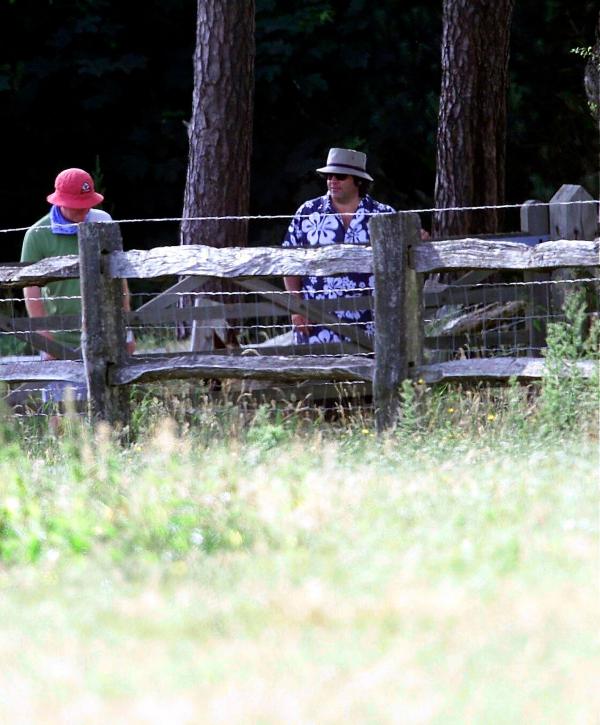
(280,572)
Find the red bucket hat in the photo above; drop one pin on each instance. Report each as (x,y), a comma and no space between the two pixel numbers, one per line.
(74,188)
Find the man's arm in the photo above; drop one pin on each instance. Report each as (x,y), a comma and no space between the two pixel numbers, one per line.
(34,304)
(294,284)
(127,308)
(300,323)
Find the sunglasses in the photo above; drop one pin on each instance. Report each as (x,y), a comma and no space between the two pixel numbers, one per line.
(339,177)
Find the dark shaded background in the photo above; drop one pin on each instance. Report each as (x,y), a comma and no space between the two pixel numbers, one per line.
(107,86)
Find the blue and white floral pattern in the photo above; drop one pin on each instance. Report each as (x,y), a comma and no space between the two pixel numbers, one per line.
(317,224)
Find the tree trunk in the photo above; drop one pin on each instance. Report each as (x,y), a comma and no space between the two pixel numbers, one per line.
(220,131)
(592,77)
(220,134)
(471,137)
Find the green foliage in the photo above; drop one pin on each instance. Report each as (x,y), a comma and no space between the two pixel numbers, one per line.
(175,489)
(318,68)
(82,497)
(327,73)
(267,430)
(583,52)
(212,569)
(548,79)
(12,345)
(567,398)
(444,546)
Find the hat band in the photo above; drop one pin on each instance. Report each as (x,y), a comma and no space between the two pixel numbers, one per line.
(347,166)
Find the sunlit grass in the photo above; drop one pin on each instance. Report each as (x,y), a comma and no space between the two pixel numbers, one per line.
(304,573)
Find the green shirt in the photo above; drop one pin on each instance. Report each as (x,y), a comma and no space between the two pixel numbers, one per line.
(62,297)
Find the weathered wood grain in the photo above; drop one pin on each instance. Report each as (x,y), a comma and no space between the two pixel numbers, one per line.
(103,322)
(394,308)
(40,273)
(276,368)
(489,254)
(482,317)
(469,253)
(68,371)
(196,259)
(285,369)
(535,218)
(172,296)
(573,213)
(496,369)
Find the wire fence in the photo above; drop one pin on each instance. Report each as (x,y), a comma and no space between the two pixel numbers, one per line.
(287,216)
(494,314)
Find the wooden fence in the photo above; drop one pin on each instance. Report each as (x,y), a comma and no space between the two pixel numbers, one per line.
(400,262)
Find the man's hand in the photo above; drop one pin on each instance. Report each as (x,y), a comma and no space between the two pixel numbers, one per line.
(130,342)
(301,325)
(43,353)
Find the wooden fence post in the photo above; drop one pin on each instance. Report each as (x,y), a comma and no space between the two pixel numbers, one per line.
(397,311)
(570,221)
(535,221)
(103,323)
(535,218)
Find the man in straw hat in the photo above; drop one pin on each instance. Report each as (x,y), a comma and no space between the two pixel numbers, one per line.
(341,216)
(55,235)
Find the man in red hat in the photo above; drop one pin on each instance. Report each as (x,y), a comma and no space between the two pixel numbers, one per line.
(55,235)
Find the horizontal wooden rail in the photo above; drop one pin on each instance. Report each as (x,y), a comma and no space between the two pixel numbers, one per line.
(489,254)
(497,369)
(278,368)
(199,260)
(47,270)
(236,262)
(69,371)
(287,368)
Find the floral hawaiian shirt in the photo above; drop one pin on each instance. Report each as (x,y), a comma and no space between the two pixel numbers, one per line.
(317,224)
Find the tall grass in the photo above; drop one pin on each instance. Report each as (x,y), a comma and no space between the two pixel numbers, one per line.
(239,566)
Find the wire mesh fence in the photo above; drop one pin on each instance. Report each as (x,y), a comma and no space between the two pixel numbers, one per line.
(501,315)
(480,313)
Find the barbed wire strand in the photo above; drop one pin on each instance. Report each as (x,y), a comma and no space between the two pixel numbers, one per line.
(352,290)
(360,291)
(266,217)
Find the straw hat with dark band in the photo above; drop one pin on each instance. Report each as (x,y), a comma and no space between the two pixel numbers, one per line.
(346,161)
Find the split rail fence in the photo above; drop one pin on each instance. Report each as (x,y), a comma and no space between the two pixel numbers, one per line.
(414,281)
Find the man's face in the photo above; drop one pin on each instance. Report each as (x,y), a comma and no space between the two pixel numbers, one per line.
(74,215)
(342,188)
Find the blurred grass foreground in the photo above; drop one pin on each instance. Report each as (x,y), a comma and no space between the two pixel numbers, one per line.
(302,574)
(274,568)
